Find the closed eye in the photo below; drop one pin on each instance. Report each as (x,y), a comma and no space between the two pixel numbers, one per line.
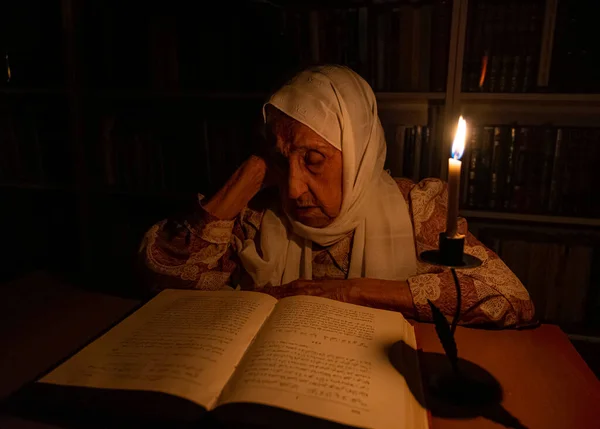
(314,158)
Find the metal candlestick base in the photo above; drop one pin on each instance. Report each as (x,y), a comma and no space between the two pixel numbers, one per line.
(450,255)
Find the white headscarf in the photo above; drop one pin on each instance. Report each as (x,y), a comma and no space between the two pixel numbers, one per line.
(340,106)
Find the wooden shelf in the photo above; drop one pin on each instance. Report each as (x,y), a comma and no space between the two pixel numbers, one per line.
(520,217)
(576,110)
(410,96)
(530,97)
(407,107)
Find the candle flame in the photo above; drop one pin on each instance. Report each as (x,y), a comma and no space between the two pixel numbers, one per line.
(458,147)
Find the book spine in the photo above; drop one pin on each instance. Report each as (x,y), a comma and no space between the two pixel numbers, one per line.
(473,166)
(409,152)
(440,160)
(520,156)
(339,41)
(380,66)
(497,47)
(509,46)
(573,153)
(484,171)
(547,43)
(417,153)
(326,28)
(441,20)
(533,171)
(432,120)
(425,151)
(400,137)
(464,177)
(372,49)
(549,141)
(313,25)
(487,48)
(496,170)
(510,169)
(389,49)
(556,173)
(532,45)
(352,40)
(467,68)
(519,49)
(406,47)
(425,48)
(464,171)
(363,42)
(39,153)
(395,44)
(478,49)
(16,151)
(415,62)
(108,151)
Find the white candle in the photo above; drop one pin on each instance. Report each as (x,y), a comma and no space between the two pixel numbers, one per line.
(454,165)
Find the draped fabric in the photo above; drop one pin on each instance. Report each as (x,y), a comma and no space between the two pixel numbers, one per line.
(339,105)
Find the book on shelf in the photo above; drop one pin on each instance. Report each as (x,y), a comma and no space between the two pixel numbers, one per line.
(479,166)
(502,46)
(409,150)
(136,153)
(245,355)
(440,38)
(497,172)
(532,169)
(510,167)
(31,45)
(575,51)
(33,143)
(472,157)
(395,46)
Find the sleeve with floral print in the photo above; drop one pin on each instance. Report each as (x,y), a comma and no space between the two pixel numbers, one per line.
(491,293)
(195,252)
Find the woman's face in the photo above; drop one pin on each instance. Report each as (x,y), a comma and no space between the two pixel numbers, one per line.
(308,170)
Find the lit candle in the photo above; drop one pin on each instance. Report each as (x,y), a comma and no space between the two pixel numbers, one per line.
(454,164)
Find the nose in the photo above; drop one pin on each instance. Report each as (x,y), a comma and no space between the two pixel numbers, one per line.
(296,184)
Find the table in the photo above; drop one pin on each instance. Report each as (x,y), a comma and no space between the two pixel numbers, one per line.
(545,382)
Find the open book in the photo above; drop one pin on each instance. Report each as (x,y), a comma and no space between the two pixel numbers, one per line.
(308,355)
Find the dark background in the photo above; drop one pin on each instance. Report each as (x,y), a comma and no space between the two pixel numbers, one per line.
(116,113)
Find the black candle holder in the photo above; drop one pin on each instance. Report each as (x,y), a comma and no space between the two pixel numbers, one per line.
(454,386)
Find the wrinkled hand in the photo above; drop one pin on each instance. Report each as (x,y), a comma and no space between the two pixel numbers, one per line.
(383,294)
(241,187)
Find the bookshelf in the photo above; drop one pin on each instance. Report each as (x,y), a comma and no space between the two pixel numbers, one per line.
(531,218)
(185,92)
(540,99)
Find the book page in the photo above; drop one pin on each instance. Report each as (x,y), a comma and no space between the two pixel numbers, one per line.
(330,360)
(183,342)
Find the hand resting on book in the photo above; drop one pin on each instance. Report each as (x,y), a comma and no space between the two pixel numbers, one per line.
(375,293)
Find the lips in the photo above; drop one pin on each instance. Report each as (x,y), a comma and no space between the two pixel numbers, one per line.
(305,208)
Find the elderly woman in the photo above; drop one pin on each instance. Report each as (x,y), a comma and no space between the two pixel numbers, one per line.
(341,228)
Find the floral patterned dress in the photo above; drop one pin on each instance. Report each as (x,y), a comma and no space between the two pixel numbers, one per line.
(200,252)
